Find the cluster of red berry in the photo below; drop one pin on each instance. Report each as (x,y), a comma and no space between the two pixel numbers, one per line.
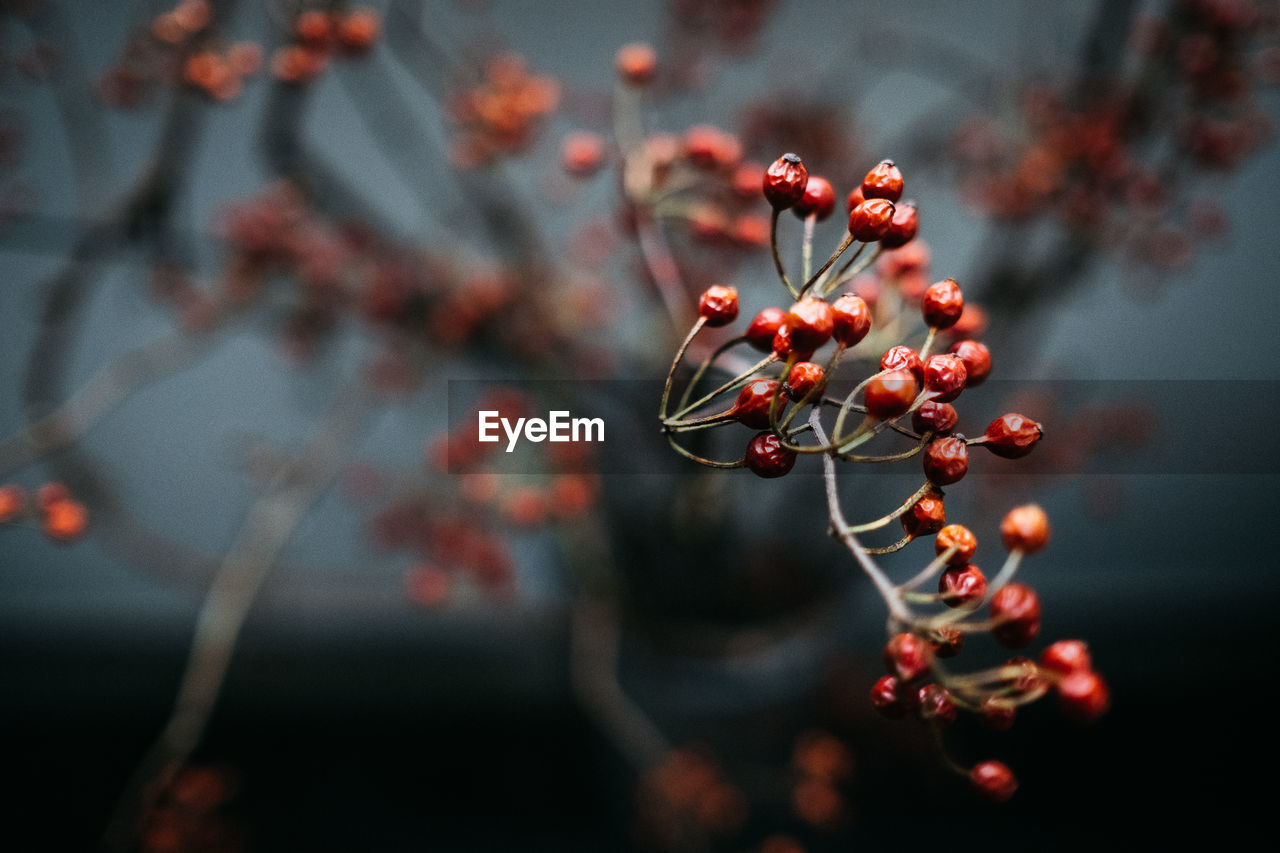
(319,35)
(771,394)
(59,515)
(499,115)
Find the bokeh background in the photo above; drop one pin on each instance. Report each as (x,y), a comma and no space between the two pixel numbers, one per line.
(542,661)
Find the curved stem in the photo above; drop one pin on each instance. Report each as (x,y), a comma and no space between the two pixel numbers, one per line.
(777,257)
(675,362)
(915,498)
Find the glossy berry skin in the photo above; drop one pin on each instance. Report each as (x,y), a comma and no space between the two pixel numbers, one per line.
(926,516)
(998,714)
(1083,696)
(719,305)
(766,457)
(637,63)
(752,405)
(1066,656)
(936,705)
(889,396)
(1025,528)
(805,378)
(977,361)
(946,460)
(819,199)
(959,536)
(763,327)
(891,699)
(904,226)
(870,221)
(785,181)
(942,304)
(947,641)
(944,377)
(1012,436)
(908,656)
(960,585)
(852,319)
(993,781)
(932,416)
(903,358)
(883,181)
(1016,610)
(784,346)
(811,322)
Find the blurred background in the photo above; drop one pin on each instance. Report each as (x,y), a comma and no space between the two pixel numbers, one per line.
(263,261)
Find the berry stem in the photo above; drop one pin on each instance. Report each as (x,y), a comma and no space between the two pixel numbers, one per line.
(896,546)
(703,368)
(886,519)
(835,256)
(806,250)
(710,463)
(926,573)
(740,379)
(688,339)
(777,258)
(928,343)
(847,274)
(889,457)
(822,285)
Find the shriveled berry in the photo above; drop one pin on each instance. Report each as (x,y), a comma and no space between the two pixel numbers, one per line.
(936,705)
(752,405)
(932,416)
(998,713)
(1012,436)
(903,227)
(993,781)
(1083,696)
(908,656)
(1066,656)
(883,181)
(784,346)
(1015,608)
(852,319)
(926,516)
(946,460)
(961,585)
(870,221)
(947,641)
(944,377)
(942,304)
(805,378)
(903,358)
(959,537)
(1025,528)
(889,396)
(819,199)
(719,305)
(887,699)
(785,181)
(977,361)
(637,63)
(811,322)
(763,327)
(766,457)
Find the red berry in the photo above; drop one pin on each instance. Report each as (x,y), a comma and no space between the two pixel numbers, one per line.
(852,319)
(784,346)
(785,181)
(637,63)
(1025,528)
(908,656)
(936,705)
(13,501)
(719,305)
(1083,696)
(1016,611)
(962,585)
(854,198)
(947,641)
(805,377)
(977,361)
(944,376)
(50,494)
(926,516)
(959,536)
(819,199)
(811,322)
(935,417)
(942,304)
(582,153)
(883,181)
(360,28)
(889,396)
(762,329)
(1066,656)
(904,226)
(903,358)
(870,221)
(766,457)
(65,520)
(1012,436)
(752,406)
(946,460)
(997,713)
(993,781)
(885,698)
